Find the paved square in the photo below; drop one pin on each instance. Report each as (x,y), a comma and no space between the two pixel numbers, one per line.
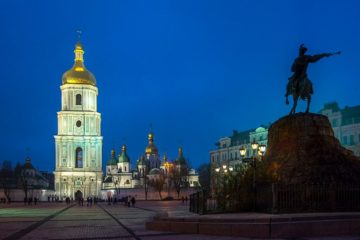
(101,221)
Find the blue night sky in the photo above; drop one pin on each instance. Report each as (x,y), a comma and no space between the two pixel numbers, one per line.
(195,70)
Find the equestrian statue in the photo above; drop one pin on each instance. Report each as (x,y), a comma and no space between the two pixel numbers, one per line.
(299,84)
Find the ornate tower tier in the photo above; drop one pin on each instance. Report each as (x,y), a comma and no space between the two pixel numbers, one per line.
(78,170)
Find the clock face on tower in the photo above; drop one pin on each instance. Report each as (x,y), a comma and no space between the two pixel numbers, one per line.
(78,123)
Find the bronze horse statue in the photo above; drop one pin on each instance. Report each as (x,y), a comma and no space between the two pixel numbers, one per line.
(299,84)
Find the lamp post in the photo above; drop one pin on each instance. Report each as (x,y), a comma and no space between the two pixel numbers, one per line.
(254,146)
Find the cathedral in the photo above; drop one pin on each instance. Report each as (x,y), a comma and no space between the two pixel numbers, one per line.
(119,173)
(78,144)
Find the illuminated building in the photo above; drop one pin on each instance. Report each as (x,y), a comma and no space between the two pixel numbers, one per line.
(120,175)
(78,142)
(346,125)
(228,148)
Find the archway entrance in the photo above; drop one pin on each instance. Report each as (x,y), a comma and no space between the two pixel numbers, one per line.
(78,195)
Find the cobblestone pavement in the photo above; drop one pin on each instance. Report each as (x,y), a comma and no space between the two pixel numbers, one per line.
(102,221)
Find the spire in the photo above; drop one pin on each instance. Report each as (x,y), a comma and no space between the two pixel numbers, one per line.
(180,152)
(151,137)
(28,164)
(112,160)
(180,159)
(165,159)
(79,52)
(123,148)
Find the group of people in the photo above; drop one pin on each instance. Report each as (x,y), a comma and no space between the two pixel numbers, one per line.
(53,198)
(130,200)
(89,201)
(127,200)
(30,200)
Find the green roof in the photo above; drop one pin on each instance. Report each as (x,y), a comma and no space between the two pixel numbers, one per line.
(123,157)
(112,160)
(141,161)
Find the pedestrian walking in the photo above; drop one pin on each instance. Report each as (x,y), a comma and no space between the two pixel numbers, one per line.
(133,201)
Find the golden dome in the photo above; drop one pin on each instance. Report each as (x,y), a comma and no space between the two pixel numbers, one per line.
(78,74)
(151,148)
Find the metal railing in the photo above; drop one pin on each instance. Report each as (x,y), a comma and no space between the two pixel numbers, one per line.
(276,198)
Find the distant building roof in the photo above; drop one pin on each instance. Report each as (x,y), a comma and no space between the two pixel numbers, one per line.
(350,115)
(331,106)
(239,138)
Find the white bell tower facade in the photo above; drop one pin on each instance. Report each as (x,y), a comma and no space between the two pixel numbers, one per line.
(78,143)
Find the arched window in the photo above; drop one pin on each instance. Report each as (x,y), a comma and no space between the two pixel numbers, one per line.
(78,99)
(79,158)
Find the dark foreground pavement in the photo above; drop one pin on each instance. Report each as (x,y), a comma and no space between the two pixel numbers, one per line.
(102,221)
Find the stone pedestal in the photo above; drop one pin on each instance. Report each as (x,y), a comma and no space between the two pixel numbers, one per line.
(302,149)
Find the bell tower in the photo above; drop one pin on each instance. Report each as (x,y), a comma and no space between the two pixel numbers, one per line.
(78,143)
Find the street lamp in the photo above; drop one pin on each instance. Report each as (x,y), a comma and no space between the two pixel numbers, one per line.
(242,151)
(254,145)
(262,149)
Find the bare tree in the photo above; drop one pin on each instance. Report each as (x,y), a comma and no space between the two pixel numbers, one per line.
(179,178)
(146,186)
(117,182)
(22,180)
(204,176)
(7,179)
(158,184)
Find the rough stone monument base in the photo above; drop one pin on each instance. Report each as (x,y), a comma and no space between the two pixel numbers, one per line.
(302,149)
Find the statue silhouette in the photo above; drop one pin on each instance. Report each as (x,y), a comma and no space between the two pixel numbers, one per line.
(299,84)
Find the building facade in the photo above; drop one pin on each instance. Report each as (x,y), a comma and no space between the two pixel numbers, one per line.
(228,148)
(346,125)
(78,143)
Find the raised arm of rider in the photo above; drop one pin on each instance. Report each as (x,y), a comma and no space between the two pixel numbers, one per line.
(317,57)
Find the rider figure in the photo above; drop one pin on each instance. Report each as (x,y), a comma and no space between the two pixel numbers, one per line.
(299,69)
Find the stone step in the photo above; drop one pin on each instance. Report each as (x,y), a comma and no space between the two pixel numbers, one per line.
(282,227)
